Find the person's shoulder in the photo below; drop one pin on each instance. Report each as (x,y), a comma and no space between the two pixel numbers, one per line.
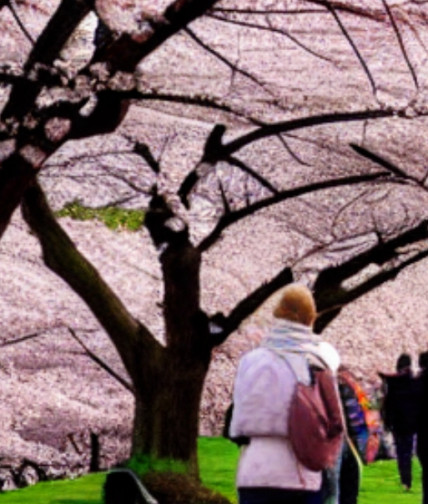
(330,355)
(256,354)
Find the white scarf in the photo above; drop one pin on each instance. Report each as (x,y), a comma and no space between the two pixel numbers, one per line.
(287,337)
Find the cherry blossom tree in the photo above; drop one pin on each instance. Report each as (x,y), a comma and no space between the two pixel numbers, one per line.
(331,172)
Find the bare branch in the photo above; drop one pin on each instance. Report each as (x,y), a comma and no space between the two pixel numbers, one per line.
(376,15)
(128,50)
(245,168)
(329,291)
(226,206)
(197,100)
(233,217)
(353,45)
(344,207)
(267,130)
(21,339)
(264,12)
(226,325)
(272,29)
(101,363)
(18,21)
(59,28)
(401,44)
(291,152)
(62,257)
(224,60)
(383,162)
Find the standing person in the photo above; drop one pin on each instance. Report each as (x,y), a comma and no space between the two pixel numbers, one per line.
(268,470)
(400,414)
(355,441)
(422,427)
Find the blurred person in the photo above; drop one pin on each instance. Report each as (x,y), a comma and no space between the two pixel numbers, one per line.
(355,440)
(400,414)
(268,470)
(422,425)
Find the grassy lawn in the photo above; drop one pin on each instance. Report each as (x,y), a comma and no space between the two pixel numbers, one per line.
(218,459)
(84,490)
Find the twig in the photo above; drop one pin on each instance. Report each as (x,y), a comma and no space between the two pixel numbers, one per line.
(401,43)
(101,363)
(353,45)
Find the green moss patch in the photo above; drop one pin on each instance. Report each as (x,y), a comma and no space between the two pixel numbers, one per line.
(113,217)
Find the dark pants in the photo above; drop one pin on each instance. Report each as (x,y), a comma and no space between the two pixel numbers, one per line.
(275,496)
(422,452)
(404,448)
(349,482)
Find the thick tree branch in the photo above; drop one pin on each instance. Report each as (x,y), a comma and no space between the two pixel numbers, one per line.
(15,175)
(128,50)
(61,256)
(224,151)
(233,217)
(59,28)
(363,151)
(394,169)
(345,297)
(300,123)
(332,296)
(108,113)
(222,327)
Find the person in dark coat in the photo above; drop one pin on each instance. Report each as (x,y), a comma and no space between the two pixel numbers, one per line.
(400,414)
(356,438)
(422,426)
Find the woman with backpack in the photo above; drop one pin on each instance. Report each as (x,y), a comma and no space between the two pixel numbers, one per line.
(269,471)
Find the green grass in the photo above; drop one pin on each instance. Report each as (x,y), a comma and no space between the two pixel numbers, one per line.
(218,459)
(112,217)
(381,484)
(84,490)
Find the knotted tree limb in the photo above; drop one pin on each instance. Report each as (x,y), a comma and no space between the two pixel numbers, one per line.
(224,326)
(233,217)
(124,53)
(67,17)
(332,295)
(60,254)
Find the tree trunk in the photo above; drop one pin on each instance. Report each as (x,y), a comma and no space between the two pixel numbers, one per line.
(168,392)
(166,420)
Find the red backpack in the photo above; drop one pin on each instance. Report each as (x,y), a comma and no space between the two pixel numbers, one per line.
(315,421)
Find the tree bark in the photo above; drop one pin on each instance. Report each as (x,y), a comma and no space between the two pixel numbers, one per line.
(167,381)
(166,420)
(15,176)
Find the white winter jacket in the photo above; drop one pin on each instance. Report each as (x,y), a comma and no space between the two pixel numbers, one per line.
(263,389)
